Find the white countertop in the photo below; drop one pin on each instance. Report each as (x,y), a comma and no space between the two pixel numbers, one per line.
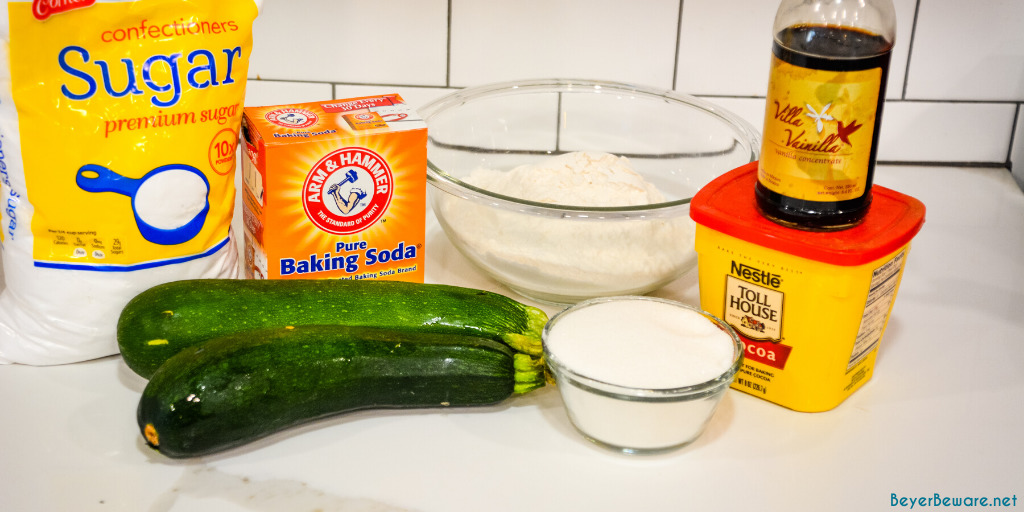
(943,415)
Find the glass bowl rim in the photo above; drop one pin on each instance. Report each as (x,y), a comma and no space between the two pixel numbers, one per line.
(642,394)
(454,186)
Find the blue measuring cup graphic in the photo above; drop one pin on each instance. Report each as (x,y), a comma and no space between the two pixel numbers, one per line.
(96,178)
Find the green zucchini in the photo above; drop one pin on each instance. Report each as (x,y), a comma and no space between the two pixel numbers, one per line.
(167,318)
(241,387)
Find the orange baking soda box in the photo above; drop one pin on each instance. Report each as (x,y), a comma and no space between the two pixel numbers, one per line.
(335,189)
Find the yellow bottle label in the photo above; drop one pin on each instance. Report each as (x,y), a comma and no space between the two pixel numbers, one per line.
(818,131)
(128,119)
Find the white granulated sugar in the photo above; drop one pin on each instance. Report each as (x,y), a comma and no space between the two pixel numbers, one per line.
(574,256)
(642,344)
(171,198)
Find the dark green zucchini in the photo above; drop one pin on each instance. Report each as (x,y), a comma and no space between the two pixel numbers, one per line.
(167,318)
(241,387)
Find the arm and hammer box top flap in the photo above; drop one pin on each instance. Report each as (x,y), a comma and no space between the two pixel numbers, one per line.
(367,115)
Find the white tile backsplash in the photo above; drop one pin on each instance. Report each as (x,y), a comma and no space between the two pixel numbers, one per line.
(905,11)
(725,53)
(725,47)
(1017,151)
(493,40)
(270,92)
(946,132)
(956,80)
(968,50)
(384,42)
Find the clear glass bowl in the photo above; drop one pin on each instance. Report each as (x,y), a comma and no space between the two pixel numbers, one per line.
(564,253)
(631,419)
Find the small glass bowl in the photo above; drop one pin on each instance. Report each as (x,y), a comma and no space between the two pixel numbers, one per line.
(638,420)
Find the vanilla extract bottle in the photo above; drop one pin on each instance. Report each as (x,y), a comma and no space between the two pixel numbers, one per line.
(830,66)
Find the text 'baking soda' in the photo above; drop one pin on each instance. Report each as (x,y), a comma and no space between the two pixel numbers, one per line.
(335,190)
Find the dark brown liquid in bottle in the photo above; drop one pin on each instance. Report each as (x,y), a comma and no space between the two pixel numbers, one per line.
(830,49)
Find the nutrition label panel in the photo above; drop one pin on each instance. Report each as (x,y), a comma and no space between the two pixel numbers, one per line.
(884,280)
(84,245)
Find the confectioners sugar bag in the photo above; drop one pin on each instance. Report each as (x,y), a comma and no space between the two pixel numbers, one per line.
(118,127)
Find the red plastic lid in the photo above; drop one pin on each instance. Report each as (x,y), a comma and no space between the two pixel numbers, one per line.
(727,205)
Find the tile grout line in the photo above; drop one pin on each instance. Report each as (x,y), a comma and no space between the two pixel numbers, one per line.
(558,124)
(1013,135)
(910,49)
(679,38)
(941,163)
(1013,102)
(448,50)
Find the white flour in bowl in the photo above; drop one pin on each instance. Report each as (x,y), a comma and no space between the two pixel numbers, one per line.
(573,257)
(576,179)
